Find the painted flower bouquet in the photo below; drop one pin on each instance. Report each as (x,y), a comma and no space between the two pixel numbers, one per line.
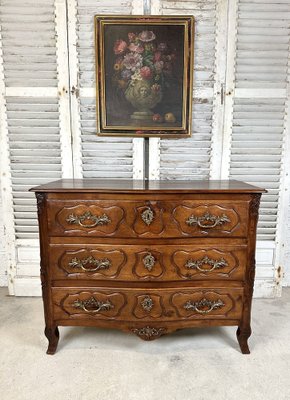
(142,70)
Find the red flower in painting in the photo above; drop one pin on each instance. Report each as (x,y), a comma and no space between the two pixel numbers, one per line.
(146,73)
(120,46)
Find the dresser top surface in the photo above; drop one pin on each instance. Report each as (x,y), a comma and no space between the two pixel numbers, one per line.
(142,186)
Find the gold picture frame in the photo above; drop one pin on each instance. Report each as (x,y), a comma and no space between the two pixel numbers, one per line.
(144,74)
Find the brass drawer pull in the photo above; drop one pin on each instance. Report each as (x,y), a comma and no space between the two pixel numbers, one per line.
(104,263)
(149,261)
(208,220)
(195,306)
(215,264)
(147,216)
(97,219)
(93,305)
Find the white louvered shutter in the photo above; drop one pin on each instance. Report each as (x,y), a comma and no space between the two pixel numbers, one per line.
(190,158)
(287,249)
(3,261)
(256,96)
(36,134)
(94,156)
(38,106)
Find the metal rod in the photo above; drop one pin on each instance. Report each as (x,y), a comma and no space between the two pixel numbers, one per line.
(147,7)
(146,11)
(146,158)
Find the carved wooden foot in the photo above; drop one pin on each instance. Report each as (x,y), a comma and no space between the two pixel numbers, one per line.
(52,335)
(243,336)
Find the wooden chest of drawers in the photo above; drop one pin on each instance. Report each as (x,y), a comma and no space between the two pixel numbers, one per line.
(147,257)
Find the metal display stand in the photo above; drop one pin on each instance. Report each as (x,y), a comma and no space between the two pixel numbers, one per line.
(146,158)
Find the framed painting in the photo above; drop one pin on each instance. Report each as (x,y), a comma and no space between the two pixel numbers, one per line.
(144,68)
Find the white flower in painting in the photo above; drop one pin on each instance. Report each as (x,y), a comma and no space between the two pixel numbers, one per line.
(146,36)
(133,61)
(137,76)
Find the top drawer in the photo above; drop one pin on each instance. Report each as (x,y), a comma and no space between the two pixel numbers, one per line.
(148,219)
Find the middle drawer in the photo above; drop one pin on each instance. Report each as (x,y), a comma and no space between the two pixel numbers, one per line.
(147,262)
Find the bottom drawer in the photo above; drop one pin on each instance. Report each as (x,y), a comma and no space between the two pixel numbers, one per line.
(147,304)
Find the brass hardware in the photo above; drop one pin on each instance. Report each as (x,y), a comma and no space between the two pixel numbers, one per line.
(97,219)
(195,306)
(104,263)
(197,264)
(147,303)
(148,332)
(149,261)
(93,305)
(75,91)
(147,216)
(207,220)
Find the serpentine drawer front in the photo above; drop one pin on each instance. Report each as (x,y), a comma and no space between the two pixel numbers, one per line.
(147,257)
(147,304)
(148,262)
(148,219)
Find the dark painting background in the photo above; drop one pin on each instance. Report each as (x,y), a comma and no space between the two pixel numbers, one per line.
(118,109)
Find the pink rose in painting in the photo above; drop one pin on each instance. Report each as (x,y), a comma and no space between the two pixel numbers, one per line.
(137,48)
(146,36)
(146,73)
(131,36)
(157,56)
(120,46)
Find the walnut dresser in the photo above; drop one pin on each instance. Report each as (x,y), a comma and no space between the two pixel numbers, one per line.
(147,257)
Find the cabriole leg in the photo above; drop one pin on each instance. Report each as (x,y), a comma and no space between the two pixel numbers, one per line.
(243,336)
(52,334)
